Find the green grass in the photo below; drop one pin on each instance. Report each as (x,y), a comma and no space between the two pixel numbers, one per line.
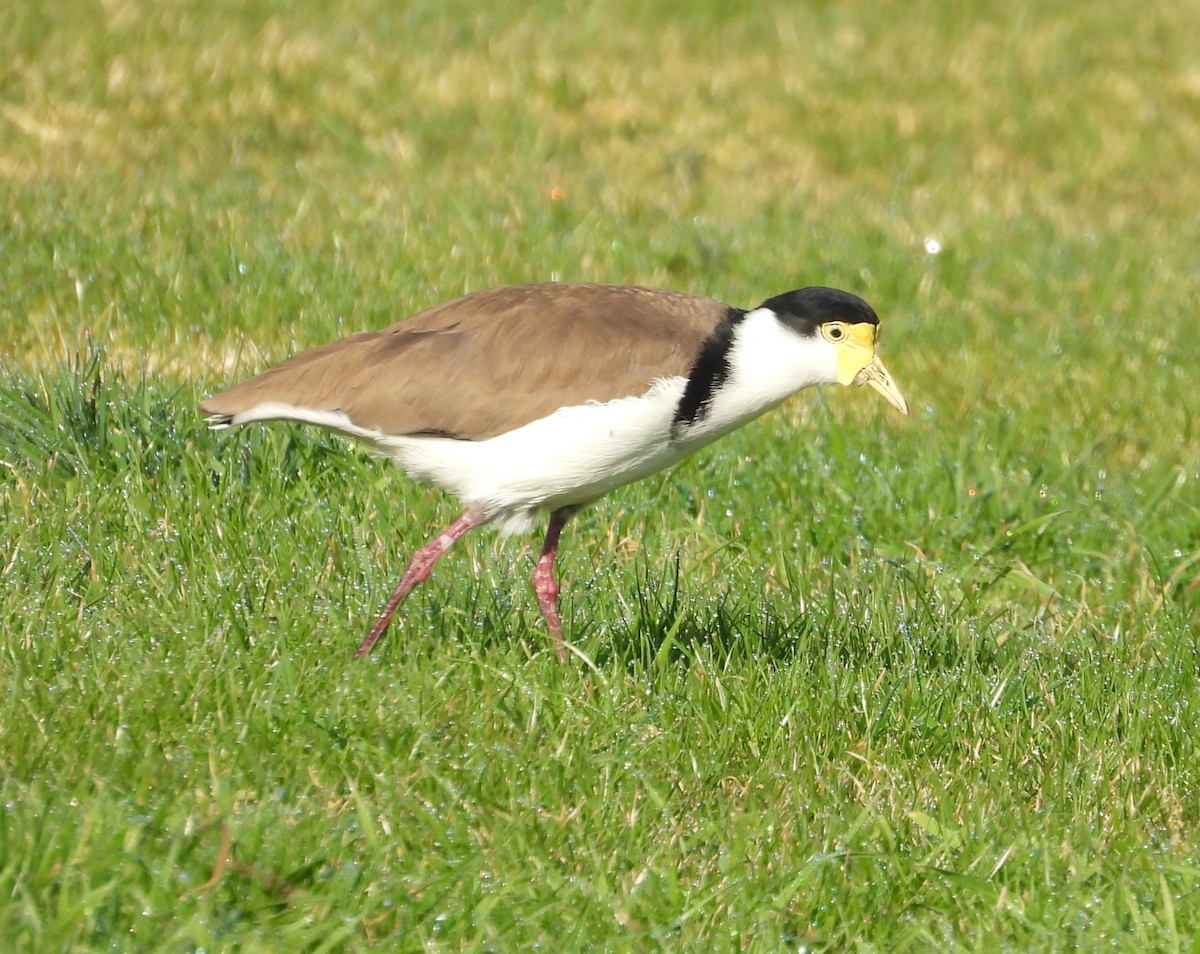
(844,681)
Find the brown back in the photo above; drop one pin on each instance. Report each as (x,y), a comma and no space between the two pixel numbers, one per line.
(491,361)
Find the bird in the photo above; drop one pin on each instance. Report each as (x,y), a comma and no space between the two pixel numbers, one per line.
(541,398)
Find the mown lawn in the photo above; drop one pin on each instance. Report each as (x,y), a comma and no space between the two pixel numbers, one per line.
(845,681)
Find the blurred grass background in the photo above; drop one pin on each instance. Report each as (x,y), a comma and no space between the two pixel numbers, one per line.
(855,682)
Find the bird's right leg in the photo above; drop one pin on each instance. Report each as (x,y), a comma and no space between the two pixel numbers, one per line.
(545,585)
(419,568)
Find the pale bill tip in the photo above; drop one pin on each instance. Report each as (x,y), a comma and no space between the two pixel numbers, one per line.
(877,377)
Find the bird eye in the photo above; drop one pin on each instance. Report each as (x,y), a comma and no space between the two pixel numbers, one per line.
(834,330)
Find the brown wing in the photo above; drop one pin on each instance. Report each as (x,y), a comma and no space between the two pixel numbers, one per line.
(493,360)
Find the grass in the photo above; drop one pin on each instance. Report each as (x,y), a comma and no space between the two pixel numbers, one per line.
(843,681)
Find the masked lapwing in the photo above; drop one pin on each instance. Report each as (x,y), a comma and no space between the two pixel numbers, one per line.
(545,397)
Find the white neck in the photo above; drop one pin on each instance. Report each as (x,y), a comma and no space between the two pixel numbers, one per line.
(768,363)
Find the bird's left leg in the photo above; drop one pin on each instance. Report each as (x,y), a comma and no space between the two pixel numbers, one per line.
(545,586)
(418,571)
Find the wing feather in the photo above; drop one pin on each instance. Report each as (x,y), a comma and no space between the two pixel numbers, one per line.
(491,361)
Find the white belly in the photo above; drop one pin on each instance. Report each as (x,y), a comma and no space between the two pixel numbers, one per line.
(572,457)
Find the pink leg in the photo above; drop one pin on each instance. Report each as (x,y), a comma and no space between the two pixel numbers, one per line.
(545,586)
(417,573)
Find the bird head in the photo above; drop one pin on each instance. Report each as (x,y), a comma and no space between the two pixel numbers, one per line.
(850,326)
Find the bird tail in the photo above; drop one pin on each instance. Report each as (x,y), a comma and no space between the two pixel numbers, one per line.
(219,422)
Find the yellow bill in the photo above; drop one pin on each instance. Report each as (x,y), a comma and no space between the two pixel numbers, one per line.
(859,364)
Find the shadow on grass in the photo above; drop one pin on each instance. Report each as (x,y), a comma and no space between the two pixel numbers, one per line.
(900,624)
